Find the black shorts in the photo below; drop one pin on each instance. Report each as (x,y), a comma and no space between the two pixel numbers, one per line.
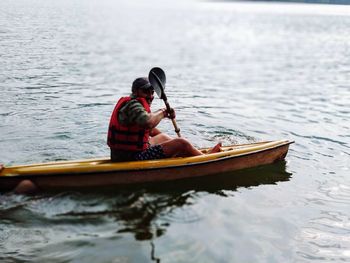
(152,153)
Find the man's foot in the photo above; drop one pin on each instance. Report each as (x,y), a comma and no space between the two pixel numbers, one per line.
(216,148)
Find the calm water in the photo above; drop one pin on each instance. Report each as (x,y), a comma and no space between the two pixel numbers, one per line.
(237,73)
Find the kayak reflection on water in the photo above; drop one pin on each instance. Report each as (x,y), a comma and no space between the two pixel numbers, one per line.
(137,208)
(144,213)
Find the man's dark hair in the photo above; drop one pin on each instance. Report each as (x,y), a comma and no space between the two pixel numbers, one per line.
(140,83)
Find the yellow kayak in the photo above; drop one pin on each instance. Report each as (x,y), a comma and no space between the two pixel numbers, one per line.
(103,172)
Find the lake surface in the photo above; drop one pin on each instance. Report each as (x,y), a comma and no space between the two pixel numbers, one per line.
(236,73)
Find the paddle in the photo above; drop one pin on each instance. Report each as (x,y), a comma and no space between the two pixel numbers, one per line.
(157,78)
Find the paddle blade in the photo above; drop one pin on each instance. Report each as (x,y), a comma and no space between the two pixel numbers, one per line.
(157,78)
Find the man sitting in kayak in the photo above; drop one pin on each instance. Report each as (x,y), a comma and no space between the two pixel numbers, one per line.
(132,133)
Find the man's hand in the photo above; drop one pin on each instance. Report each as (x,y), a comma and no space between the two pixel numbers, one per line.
(169,114)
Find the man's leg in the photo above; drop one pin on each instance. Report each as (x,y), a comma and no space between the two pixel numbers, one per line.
(159,139)
(183,148)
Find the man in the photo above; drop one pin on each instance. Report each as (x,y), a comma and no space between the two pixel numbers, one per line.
(132,133)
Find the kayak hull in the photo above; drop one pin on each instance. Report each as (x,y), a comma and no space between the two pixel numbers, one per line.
(105,173)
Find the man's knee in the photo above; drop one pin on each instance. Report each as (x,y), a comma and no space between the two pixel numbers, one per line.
(160,138)
(182,143)
(164,137)
(176,147)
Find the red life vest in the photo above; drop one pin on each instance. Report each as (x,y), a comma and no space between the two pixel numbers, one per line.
(127,138)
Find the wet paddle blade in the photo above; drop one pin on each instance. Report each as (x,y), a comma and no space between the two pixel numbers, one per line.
(157,78)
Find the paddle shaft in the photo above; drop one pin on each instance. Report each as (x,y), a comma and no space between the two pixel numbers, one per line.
(159,87)
(177,129)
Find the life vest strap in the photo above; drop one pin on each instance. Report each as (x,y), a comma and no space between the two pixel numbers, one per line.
(139,143)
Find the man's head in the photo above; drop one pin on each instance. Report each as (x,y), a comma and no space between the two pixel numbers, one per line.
(141,87)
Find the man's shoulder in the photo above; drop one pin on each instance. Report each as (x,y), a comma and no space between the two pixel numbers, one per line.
(132,104)
(132,112)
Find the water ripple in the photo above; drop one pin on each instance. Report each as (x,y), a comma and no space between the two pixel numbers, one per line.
(327,237)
